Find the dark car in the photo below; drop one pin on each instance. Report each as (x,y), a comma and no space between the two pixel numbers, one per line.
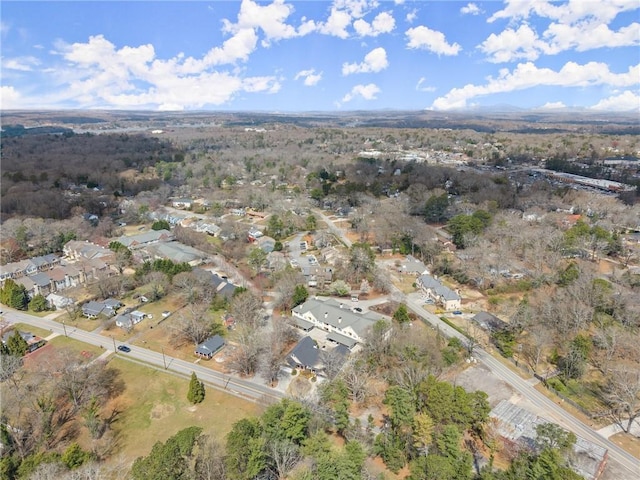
(124,348)
(457,312)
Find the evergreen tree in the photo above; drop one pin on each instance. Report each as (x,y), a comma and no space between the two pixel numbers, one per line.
(401,315)
(17,345)
(196,390)
(300,295)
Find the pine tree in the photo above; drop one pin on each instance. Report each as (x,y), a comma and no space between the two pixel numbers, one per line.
(196,390)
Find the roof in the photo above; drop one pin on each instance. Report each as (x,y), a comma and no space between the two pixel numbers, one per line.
(303,324)
(305,353)
(427,281)
(338,315)
(489,321)
(210,346)
(342,340)
(176,252)
(413,265)
(92,308)
(41,279)
(146,237)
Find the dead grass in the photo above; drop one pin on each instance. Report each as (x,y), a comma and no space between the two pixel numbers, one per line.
(630,443)
(154,407)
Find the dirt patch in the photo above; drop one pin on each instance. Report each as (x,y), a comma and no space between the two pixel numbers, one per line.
(161,410)
(299,387)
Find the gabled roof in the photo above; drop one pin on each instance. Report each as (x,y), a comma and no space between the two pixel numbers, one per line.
(146,237)
(210,346)
(41,279)
(305,353)
(92,308)
(489,321)
(337,315)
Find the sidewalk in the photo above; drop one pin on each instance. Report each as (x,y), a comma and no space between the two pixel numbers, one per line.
(614,428)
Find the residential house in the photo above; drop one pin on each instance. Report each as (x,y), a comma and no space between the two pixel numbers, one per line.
(176,252)
(413,266)
(344,326)
(36,284)
(439,293)
(210,347)
(276,261)
(517,427)
(266,244)
(308,355)
(59,301)
(317,276)
(128,320)
(146,238)
(33,342)
(78,250)
(253,234)
(92,309)
(489,322)
(183,203)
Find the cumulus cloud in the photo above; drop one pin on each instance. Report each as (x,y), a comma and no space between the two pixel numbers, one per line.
(525,44)
(271,19)
(367,92)
(411,16)
(382,23)
(470,9)
(311,78)
(101,75)
(426,39)
(602,11)
(527,75)
(623,102)
(9,98)
(374,61)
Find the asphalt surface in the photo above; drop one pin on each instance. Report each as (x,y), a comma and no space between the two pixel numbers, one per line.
(228,383)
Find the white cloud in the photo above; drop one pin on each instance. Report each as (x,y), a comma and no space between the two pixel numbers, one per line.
(9,98)
(624,102)
(421,87)
(470,9)
(510,45)
(374,61)
(524,43)
(426,39)
(367,92)
(337,23)
(311,78)
(411,16)
(344,11)
(602,11)
(553,106)
(527,75)
(382,23)
(271,19)
(98,74)
(23,64)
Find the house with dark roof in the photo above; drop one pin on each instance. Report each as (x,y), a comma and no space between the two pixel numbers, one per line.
(307,355)
(92,309)
(344,326)
(146,238)
(128,320)
(489,322)
(210,347)
(413,266)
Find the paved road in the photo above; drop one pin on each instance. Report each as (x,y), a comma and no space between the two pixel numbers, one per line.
(553,411)
(228,383)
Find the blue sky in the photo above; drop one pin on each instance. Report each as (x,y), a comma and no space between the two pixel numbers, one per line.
(311,55)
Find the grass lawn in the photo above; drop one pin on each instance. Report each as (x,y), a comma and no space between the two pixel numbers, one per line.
(86,350)
(38,332)
(630,443)
(154,407)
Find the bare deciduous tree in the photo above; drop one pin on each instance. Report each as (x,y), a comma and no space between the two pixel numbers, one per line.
(245,308)
(623,396)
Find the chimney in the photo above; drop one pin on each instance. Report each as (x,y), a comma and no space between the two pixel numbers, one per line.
(326,314)
(339,319)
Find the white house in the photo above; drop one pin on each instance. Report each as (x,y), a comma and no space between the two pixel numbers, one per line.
(345,327)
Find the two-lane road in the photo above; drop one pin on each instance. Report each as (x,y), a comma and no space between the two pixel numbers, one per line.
(232,384)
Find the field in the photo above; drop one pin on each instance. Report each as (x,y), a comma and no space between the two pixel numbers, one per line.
(154,406)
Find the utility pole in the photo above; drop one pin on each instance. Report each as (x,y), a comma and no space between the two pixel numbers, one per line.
(64,327)
(163,359)
(114,345)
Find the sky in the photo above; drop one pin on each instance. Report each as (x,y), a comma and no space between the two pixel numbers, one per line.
(320,55)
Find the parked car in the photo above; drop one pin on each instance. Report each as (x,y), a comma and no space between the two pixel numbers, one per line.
(124,348)
(457,312)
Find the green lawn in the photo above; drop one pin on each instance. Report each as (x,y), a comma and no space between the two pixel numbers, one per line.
(154,406)
(38,332)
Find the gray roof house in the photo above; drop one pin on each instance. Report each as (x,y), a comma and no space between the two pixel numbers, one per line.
(152,236)
(308,356)
(210,347)
(413,266)
(489,322)
(440,293)
(344,326)
(128,320)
